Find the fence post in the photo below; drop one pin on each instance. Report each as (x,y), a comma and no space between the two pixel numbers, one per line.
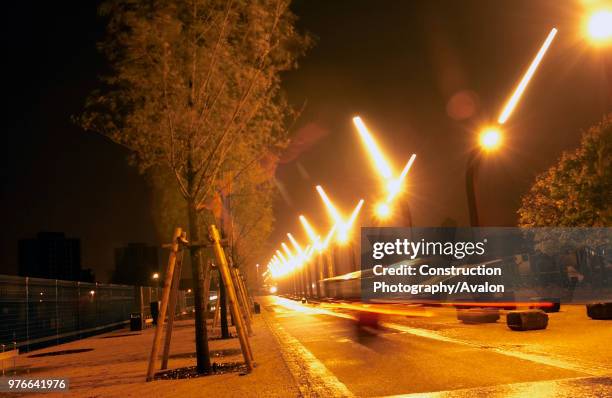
(78,307)
(95,299)
(56,315)
(27,303)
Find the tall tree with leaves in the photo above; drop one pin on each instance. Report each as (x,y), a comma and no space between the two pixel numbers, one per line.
(194,85)
(248,207)
(575,192)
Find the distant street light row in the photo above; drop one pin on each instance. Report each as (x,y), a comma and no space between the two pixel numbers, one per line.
(598,28)
(393,185)
(284,263)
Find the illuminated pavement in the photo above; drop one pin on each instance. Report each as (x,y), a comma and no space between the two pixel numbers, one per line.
(438,355)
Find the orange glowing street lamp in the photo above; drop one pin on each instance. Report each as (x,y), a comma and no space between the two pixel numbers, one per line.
(282,258)
(290,256)
(490,138)
(295,244)
(598,26)
(327,239)
(393,185)
(315,239)
(343,226)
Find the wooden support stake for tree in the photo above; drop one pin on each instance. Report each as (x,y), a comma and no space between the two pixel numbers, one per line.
(176,281)
(241,292)
(231,294)
(244,286)
(244,310)
(242,301)
(245,293)
(164,304)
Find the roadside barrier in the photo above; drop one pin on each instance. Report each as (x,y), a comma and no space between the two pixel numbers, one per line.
(478,315)
(599,311)
(527,320)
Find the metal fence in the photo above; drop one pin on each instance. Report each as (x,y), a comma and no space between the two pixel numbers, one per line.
(40,312)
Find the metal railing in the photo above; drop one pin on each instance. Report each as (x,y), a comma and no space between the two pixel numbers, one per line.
(40,312)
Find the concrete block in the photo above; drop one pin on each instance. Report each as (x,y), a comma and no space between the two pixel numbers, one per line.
(478,315)
(527,320)
(599,310)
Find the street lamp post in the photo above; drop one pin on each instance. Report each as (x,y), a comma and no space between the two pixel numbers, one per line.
(489,140)
(470,177)
(257,276)
(155,277)
(320,273)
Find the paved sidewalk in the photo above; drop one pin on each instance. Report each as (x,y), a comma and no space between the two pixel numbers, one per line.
(114,365)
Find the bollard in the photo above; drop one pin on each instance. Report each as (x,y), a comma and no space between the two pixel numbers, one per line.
(599,311)
(136,321)
(527,320)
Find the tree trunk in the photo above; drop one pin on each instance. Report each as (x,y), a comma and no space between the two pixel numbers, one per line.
(200,275)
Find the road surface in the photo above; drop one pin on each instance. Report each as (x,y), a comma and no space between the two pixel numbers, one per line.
(327,355)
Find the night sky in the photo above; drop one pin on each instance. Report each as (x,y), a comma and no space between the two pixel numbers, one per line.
(422,74)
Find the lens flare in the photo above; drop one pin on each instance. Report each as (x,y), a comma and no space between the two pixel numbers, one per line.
(312,234)
(295,244)
(375,153)
(330,234)
(344,229)
(328,204)
(518,92)
(393,185)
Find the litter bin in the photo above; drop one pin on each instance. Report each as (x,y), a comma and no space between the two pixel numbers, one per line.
(154,311)
(135,321)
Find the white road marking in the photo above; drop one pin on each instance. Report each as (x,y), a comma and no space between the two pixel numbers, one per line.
(571,387)
(541,359)
(311,375)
